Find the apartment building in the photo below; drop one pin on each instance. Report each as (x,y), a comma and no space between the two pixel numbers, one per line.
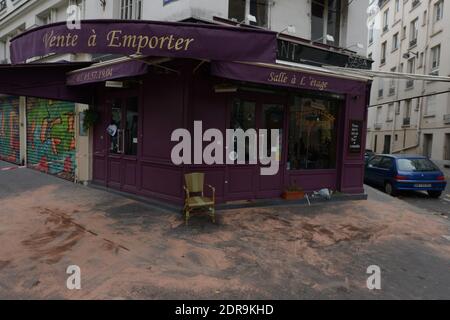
(410,36)
(333,22)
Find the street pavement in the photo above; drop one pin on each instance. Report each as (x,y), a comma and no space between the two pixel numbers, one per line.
(131,250)
(421,200)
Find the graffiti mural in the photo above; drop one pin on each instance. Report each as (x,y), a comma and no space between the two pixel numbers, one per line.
(51,143)
(9,129)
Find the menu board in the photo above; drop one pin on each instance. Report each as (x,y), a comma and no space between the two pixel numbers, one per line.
(355,139)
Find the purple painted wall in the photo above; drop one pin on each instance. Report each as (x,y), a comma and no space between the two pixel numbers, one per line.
(171,101)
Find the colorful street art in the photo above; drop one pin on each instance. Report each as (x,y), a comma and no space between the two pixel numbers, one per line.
(9,129)
(51,143)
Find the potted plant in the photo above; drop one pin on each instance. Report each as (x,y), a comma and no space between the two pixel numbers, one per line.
(90,118)
(293,193)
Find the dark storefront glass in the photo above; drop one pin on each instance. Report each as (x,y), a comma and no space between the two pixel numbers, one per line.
(116,120)
(312,134)
(131,134)
(243,117)
(273,115)
(125,118)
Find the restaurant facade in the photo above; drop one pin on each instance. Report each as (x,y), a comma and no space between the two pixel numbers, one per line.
(176,75)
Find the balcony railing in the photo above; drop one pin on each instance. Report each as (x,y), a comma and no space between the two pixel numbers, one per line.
(406,122)
(412,43)
(391,91)
(415,3)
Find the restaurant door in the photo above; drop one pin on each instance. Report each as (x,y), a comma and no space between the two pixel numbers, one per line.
(123,141)
(257,112)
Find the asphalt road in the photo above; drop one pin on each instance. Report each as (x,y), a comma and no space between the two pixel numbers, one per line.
(421,200)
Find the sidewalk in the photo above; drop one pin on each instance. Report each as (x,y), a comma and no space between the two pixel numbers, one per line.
(130,250)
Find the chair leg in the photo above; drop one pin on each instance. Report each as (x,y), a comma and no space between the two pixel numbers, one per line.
(213,215)
(187,216)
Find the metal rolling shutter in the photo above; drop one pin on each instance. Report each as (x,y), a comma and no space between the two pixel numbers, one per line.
(9,129)
(51,137)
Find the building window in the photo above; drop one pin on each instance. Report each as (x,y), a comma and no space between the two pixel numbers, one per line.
(313,134)
(430,106)
(386,20)
(392,83)
(411,70)
(380,87)
(131,9)
(239,10)
(397,6)
(325,20)
(383,53)
(435,59)
(2,5)
(397,108)
(407,111)
(378,115)
(243,117)
(371,32)
(395,42)
(414,32)
(438,11)
(390,114)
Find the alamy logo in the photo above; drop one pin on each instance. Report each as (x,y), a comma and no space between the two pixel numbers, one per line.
(74,280)
(374,281)
(73,17)
(239,146)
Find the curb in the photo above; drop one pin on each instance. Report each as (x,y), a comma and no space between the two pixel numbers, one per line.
(155,204)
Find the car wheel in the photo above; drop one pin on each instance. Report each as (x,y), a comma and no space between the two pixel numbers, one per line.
(389,189)
(434,194)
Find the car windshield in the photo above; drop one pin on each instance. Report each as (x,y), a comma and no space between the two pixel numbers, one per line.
(416,165)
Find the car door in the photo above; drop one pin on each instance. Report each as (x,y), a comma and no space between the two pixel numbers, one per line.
(371,169)
(385,170)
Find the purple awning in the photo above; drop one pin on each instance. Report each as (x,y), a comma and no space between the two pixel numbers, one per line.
(43,80)
(115,70)
(148,38)
(286,76)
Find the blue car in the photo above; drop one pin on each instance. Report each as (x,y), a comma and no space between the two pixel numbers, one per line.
(405,172)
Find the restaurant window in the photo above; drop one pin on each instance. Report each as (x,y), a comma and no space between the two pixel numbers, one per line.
(325,21)
(243,117)
(239,10)
(131,9)
(312,134)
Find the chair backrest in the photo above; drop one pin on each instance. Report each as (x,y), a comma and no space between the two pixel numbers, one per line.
(195,182)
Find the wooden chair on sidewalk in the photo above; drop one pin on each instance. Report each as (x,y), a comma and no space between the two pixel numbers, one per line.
(195,196)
